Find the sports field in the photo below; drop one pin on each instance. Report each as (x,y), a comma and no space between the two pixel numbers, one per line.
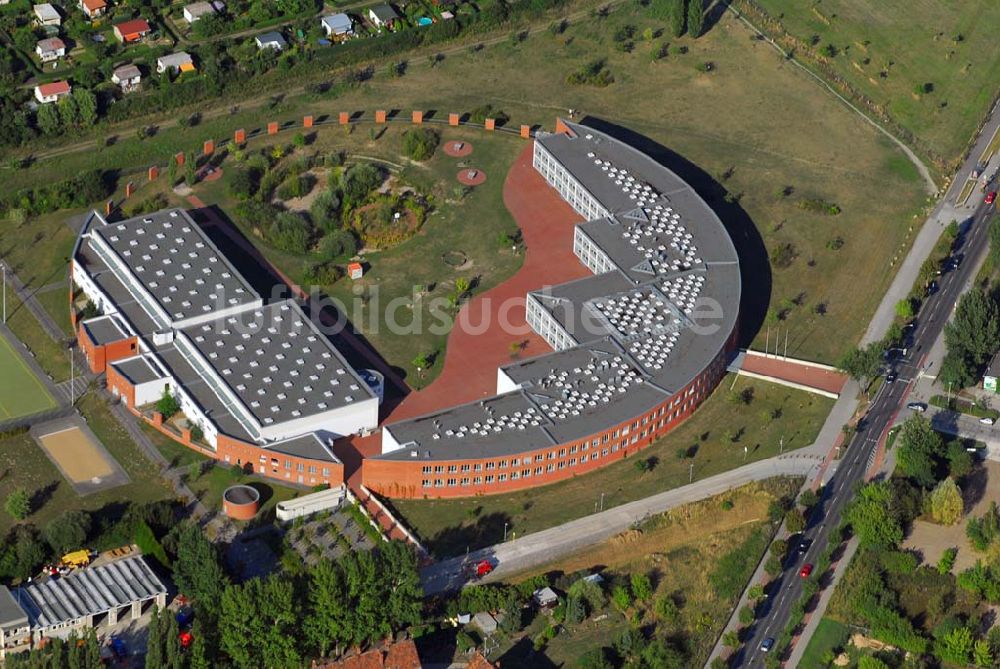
(21,392)
(78,453)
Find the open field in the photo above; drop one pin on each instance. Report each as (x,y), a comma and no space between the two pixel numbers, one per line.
(680,552)
(56,304)
(829,636)
(448,527)
(768,156)
(470,225)
(21,391)
(888,49)
(23,465)
(53,357)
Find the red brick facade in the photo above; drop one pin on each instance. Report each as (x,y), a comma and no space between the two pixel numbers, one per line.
(100,355)
(517,471)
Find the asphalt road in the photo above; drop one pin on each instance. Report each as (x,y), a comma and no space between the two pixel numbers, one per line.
(786,589)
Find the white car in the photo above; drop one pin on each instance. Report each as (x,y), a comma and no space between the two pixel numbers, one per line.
(986,420)
(919,407)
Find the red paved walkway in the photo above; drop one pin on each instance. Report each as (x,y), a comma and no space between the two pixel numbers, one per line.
(478,344)
(796,371)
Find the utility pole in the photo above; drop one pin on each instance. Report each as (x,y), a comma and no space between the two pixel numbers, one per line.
(602,501)
(781,444)
(786,343)
(505,532)
(3,269)
(746,452)
(767,339)
(72,373)
(691,473)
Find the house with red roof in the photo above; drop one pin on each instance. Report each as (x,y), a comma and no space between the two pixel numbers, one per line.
(46,93)
(132,31)
(93,8)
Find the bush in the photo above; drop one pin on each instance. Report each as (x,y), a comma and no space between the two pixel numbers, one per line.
(420,143)
(325,211)
(594,73)
(338,244)
(167,405)
(360,180)
(242,184)
(290,232)
(947,561)
(18,504)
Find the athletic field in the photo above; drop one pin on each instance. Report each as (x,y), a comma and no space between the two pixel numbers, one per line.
(21,392)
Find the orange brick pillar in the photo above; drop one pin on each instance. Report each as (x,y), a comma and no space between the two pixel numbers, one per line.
(380,116)
(453,119)
(157,418)
(272,128)
(417,117)
(154,172)
(240,136)
(208,148)
(179,159)
(526,131)
(108,206)
(307,121)
(489,124)
(344,118)
(129,189)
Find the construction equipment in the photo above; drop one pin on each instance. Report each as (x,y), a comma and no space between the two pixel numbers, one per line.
(77,559)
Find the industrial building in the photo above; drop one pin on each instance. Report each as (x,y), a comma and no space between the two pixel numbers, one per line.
(637,347)
(258,384)
(88,597)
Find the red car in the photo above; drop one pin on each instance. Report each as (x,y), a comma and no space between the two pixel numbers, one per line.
(991,196)
(806,570)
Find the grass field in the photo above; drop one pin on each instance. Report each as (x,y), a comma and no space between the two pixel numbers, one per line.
(21,391)
(783,141)
(887,49)
(829,636)
(448,527)
(679,552)
(23,465)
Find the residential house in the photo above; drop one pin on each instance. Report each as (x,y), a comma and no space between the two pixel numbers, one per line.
(196,10)
(383,16)
(46,93)
(93,8)
(47,15)
(49,49)
(337,25)
(127,77)
(132,31)
(271,40)
(545,598)
(992,374)
(175,62)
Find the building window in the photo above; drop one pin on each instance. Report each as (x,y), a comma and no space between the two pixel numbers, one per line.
(326,471)
(572,450)
(426,469)
(300,467)
(502,477)
(452,483)
(490,465)
(583,458)
(466,468)
(478,467)
(439,469)
(465,480)
(538,471)
(562,464)
(452,469)
(438,483)
(312,469)
(288,464)
(489,478)
(426,483)
(477,480)
(572,462)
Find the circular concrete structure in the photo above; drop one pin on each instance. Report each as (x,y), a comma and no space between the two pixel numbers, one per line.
(241,502)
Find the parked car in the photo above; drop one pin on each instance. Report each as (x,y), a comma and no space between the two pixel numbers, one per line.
(986,420)
(806,571)
(991,197)
(919,407)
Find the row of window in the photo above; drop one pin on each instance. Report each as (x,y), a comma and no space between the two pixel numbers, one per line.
(546,326)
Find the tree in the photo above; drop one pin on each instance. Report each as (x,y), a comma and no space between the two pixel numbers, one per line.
(360,180)
(695,18)
(167,405)
(420,143)
(960,462)
(171,642)
(642,587)
(69,111)
(861,364)
(731,639)
(197,572)
(946,502)
(972,333)
(904,309)
(86,103)
(402,600)
(955,646)
(325,211)
(68,531)
(155,658)
(325,625)
(198,654)
(258,623)
(49,120)
(621,596)
(794,521)
(18,504)
(947,560)
(920,446)
(666,609)
(873,516)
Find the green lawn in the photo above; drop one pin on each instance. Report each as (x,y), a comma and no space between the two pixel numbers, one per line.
(829,636)
(448,527)
(56,304)
(21,391)
(889,48)
(52,356)
(23,465)
(209,486)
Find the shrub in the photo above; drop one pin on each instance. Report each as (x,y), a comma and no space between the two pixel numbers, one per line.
(242,184)
(290,232)
(783,255)
(167,405)
(947,560)
(360,180)
(621,597)
(420,143)
(594,73)
(338,244)
(325,211)
(18,504)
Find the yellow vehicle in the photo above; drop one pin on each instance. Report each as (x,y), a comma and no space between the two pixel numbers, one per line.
(77,559)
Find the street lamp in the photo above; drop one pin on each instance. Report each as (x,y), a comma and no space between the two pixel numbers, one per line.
(505,532)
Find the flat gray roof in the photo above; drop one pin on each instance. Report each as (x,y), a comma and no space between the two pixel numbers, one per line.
(277,363)
(89,591)
(103,330)
(643,331)
(175,263)
(308,446)
(11,614)
(136,369)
